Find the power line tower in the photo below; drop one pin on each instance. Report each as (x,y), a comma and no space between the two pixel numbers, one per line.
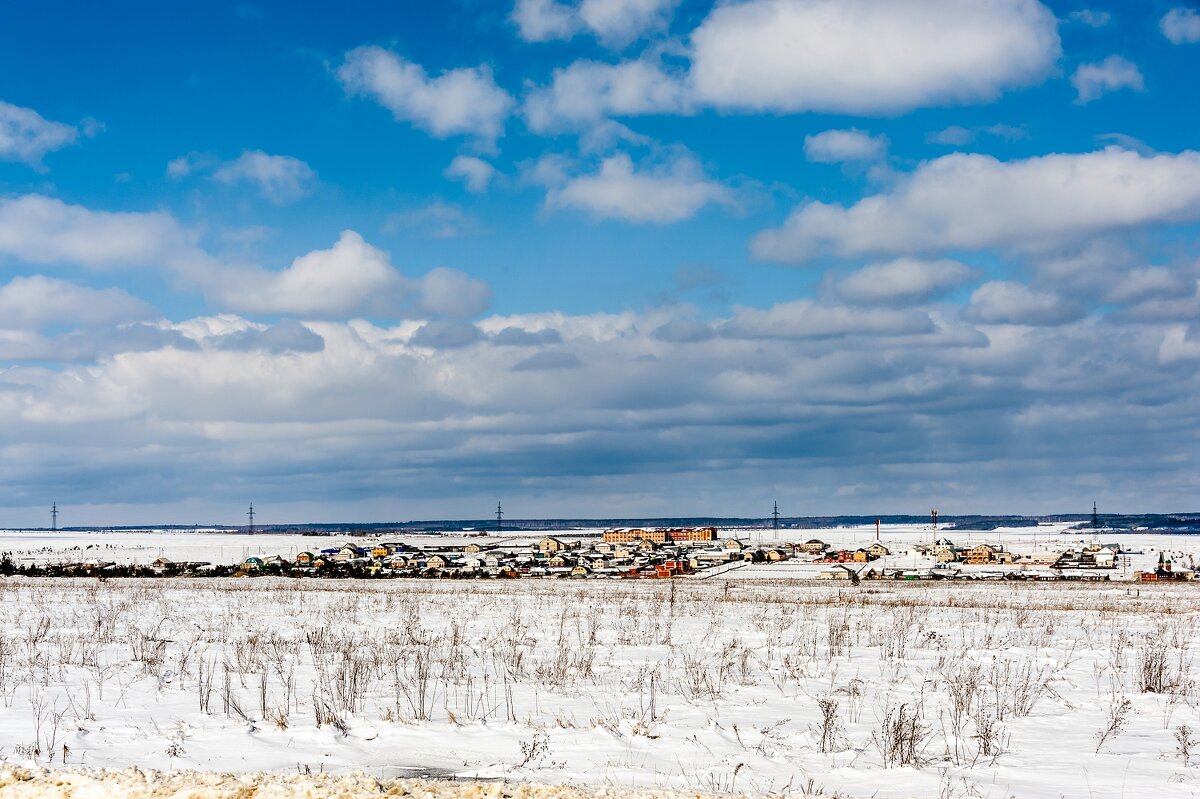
(933,514)
(499,517)
(250,517)
(1095,518)
(775,518)
(54,518)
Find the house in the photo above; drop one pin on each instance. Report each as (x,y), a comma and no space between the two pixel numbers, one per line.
(733,545)
(350,552)
(878,550)
(945,555)
(304,559)
(435,562)
(252,563)
(860,556)
(161,565)
(560,561)
(980,554)
(579,570)
(776,555)
(813,546)
(942,545)
(550,544)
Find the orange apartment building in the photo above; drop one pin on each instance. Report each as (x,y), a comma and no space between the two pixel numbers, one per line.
(678,535)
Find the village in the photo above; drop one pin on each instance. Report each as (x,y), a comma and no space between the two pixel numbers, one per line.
(656,553)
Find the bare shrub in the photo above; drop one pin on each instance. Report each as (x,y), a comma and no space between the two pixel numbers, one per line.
(901,737)
(1119,711)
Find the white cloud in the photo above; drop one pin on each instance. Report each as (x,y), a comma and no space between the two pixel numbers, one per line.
(843,56)
(279,178)
(586,92)
(449,292)
(1090,17)
(614,22)
(544,20)
(618,22)
(903,281)
(1093,81)
(1181,25)
(1008,303)
(835,146)
(351,278)
(663,194)
(26,136)
(975,201)
(808,319)
(858,56)
(464,101)
(958,136)
(1179,344)
(474,172)
(44,230)
(436,219)
(37,301)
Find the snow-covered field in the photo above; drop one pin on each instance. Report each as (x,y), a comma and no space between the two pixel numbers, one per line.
(886,689)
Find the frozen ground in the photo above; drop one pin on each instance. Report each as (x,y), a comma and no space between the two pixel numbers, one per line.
(884,690)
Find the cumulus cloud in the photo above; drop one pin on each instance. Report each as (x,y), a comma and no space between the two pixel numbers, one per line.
(1093,81)
(840,56)
(38,301)
(1181,25)
(683,331)
(26,136)
(544,20)
(971,201)
(287,336)
(662,194)
(835,146)
(449,292)
(512,336)
(463,101)
(613,22)
(476,173)
(856,56)
(351,278)
(45,230)
(279,178)
(807,319)
(1008,303)
(904,281)
(586,92)
(813,393)
(445,334)
(548,360)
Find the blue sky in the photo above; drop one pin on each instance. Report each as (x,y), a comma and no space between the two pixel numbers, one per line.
(597,257)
